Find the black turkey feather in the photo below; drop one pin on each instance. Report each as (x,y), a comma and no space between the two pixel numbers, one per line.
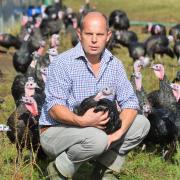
(102,105)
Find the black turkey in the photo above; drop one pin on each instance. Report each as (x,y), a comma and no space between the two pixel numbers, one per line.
(162,128)
(136,81)
(32,28)
(22,58)
(174,33)
(158,44)
(42,65)
(17,88)
(137,51)
(112,43)
(54,41)
(59,6)
(51,10)
(176,90)
(36,56)
(8,40)
(176,49)
(177,78)
(165,114)
(41,71)
(99,103)
(50,26)
(32,67)
(23,124)
(119,20)
(25,28)
(36,38)
(70,20)
(23,86)
(49,56)
(155,29)
(102,105)
(163,131)
(55,8)
(86,8)
(90,102)
(125,38)
(162,98)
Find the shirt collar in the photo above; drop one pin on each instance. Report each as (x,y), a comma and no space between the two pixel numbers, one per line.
(79,52)
(106,56)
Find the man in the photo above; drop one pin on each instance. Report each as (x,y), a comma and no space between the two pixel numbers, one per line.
(78,73)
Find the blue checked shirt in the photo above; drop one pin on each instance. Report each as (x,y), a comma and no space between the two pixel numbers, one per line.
(70,80)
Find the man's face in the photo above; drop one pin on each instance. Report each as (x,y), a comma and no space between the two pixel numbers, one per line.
(94,36)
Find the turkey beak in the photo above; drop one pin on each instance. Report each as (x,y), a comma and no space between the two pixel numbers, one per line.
(141,65)
(151,67)
(37,86)
(170,85)
(21,100)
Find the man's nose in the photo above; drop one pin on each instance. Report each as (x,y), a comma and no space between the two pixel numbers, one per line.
(94,38)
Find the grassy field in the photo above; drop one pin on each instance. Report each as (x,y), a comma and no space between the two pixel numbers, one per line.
(162,10)
(139,165)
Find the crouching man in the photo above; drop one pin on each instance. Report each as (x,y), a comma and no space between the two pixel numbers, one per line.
(69,139)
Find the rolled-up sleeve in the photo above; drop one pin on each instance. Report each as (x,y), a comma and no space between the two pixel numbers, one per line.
(126,96)
(58,85)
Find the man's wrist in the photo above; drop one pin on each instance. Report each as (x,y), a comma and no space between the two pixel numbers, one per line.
(116,135)
(78,120)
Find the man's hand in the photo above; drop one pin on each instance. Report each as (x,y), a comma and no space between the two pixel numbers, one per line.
(98,119)
(114,137)
(127,117)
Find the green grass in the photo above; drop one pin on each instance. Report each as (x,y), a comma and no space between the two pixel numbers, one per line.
(139,165)
(162,10)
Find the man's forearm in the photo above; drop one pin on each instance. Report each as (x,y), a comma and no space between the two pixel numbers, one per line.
(90,118)
(63,114)
(127,117)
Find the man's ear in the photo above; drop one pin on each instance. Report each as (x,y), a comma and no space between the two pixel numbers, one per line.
(79,33)
(109,35)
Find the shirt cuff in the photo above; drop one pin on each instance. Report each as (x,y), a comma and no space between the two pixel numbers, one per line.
(55,102)
(136,107)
